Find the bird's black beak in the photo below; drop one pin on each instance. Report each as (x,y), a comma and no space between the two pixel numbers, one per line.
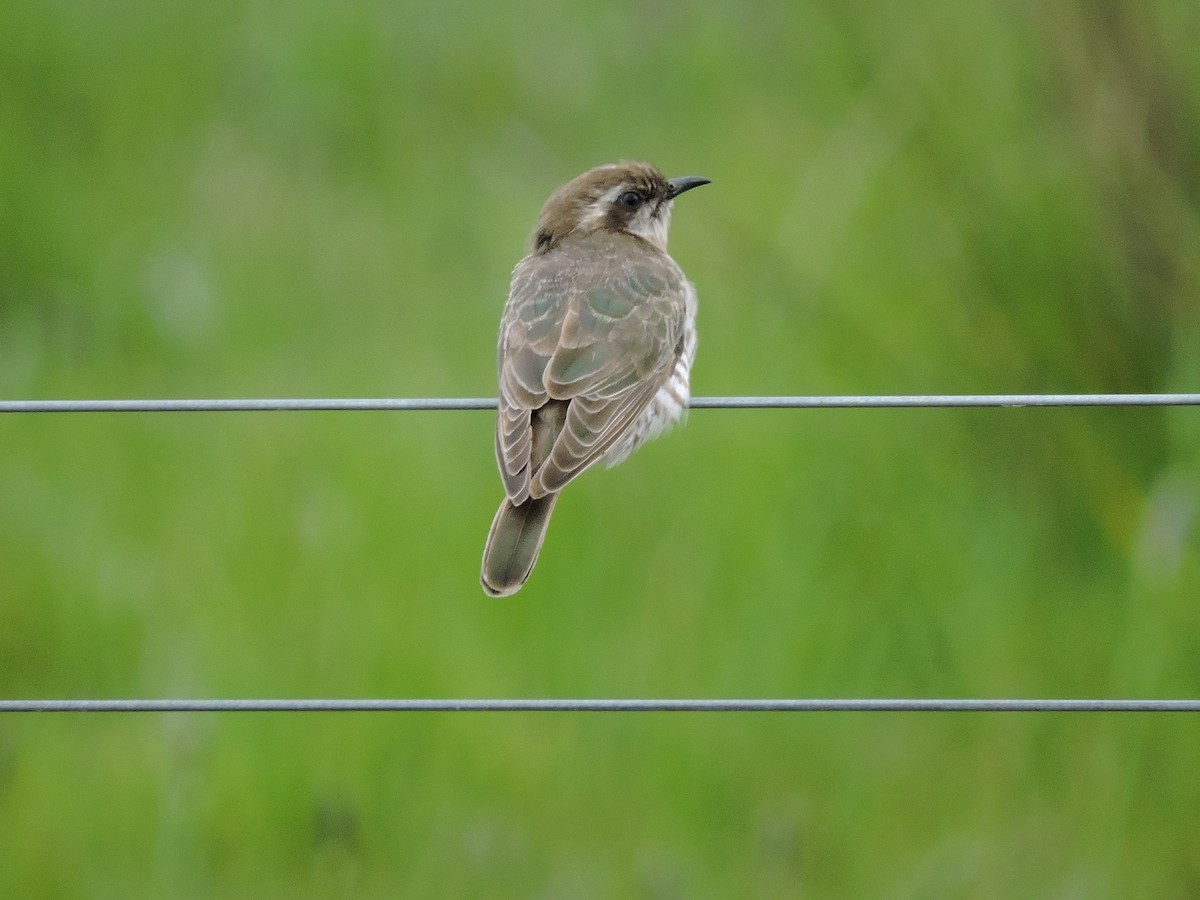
(677,186)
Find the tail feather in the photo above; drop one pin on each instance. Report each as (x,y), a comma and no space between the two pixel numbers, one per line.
(513,544)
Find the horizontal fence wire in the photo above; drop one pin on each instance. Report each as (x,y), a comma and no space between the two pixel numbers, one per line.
(848,401)
(893,704)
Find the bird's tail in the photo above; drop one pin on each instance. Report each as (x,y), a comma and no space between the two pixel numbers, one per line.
(513,544)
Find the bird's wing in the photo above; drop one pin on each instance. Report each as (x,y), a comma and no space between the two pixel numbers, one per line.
(589,335)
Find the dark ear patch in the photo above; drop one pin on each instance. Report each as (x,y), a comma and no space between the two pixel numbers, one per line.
(544,237)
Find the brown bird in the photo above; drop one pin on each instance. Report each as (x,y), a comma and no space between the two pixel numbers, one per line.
(596,345)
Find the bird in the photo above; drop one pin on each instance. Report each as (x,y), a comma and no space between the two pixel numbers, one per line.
(595,352)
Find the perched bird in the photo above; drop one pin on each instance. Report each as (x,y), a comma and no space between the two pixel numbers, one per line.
(596,344)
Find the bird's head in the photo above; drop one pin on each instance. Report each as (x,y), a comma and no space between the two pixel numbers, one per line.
(630,197)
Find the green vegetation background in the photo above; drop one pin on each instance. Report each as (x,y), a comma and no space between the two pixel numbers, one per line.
(320,199)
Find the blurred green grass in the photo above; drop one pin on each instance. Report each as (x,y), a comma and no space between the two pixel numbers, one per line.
(246,200)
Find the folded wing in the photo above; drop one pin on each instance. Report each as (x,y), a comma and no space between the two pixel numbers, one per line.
(589,335)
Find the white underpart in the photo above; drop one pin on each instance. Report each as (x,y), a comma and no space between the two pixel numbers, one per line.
(670,404)
(652,222)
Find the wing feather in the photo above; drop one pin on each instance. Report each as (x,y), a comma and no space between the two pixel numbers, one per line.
(588,337)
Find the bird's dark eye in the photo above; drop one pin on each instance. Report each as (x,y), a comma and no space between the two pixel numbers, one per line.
(631,199)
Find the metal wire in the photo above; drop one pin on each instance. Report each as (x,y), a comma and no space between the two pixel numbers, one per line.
(600,705)
(891,704)
(852,401)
